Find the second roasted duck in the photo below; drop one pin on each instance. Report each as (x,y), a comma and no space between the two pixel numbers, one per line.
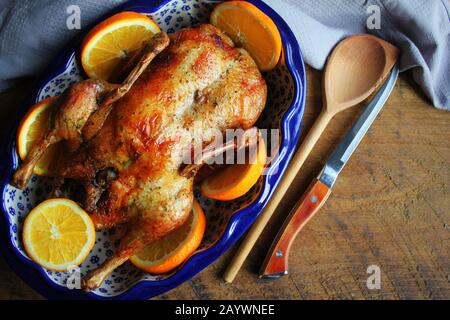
(127,142)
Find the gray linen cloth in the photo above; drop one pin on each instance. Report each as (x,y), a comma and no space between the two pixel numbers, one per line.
(32,32)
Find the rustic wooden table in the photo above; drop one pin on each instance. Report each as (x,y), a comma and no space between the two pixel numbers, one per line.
(390,207)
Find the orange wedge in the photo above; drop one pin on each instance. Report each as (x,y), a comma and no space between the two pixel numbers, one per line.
(58,234)
(107,47)
(251,29)
(235,180)
(32,129)
(169,252)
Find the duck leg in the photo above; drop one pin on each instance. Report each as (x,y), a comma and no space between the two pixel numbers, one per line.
(157,44)
(70,113)
(249,138)
(129,246)
(140,232)
(149,218)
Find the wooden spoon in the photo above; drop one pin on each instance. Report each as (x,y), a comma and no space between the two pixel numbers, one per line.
(356,67)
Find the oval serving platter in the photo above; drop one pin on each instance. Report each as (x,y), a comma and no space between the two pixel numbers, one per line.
(226,221)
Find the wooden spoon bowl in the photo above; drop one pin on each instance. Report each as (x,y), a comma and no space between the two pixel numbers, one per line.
(356,67)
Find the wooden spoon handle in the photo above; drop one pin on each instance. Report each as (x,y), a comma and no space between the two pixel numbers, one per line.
(276,262)
(291,172)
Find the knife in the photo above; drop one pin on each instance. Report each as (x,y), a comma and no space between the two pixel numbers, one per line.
(275,264)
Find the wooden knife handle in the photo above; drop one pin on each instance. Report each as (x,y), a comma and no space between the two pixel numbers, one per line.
(276,263)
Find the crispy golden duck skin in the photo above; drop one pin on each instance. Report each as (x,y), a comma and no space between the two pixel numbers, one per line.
(131,148)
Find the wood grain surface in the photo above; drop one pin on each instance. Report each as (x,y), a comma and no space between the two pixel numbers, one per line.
(390,207)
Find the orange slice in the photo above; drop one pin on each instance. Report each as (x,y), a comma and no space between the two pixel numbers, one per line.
(107,47)
(31,130)
(169,252)
(235,180)
(251,29)
(58,234)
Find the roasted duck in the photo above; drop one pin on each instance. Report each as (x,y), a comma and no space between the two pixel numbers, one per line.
(127,141)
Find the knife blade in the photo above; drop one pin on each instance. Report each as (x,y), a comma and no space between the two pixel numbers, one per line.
(275,264)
